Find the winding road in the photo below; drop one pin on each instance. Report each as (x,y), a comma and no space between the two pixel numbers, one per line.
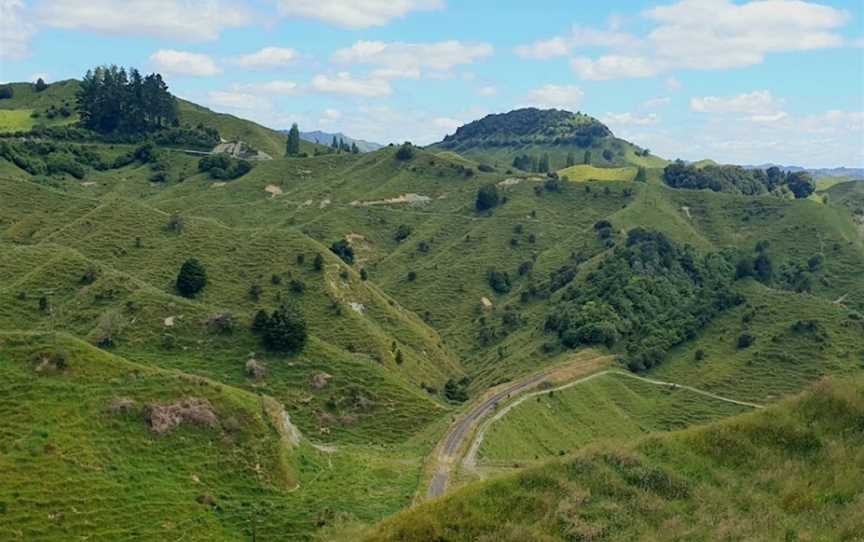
(468,430)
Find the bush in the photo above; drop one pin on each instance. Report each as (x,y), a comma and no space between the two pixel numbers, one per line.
(223,167)
(343,249)
(192,278)
(745,340)
(406,152)
(412,276)
(456,391)
(6,92)
(487,197)
(499,281)
(318,263)
(485,168)
(284,331)
(402,233)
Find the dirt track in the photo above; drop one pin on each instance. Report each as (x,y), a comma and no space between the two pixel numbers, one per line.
(449,453)
(463,440)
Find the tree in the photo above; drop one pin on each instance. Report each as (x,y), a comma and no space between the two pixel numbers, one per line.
(318,263)
(641,177)
(544,166)
(260,322)
(285,331)
(763,268)
(587,158)
(40,85)
(801,184)
(292,148)
(343,249)
(354,148)
(487,197)
(607,155)
(499,281)
(402,233)
(571,159)
(192,278)
(405,152)
(6,92)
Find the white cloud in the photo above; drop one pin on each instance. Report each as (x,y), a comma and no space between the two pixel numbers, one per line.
(396,59)
(654,103)
(488,90)
(267,58)
(355,13)
(757,106)
(171,62)
(237,100)
(626,119)
(673,84)
(613,67)
(578,37)
(446,123)
(701,35)
(42,75)
(345,83)
(15,31)
(185,20)
(285,88)
(556,96)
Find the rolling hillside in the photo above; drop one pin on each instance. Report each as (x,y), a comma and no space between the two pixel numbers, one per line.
(791,472)
(418,303)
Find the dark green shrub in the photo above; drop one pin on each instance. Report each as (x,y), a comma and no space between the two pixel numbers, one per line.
(192,278)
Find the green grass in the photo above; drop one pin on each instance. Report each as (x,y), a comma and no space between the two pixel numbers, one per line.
(608,407)
(16,120)
(584,172)
(792,472)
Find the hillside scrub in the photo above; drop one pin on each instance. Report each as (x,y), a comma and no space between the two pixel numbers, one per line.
(223,167)
(645,298)
(738,180)
(192,278)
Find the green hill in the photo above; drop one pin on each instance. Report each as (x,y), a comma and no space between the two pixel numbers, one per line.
(791,472)
(565,137)
(419,303)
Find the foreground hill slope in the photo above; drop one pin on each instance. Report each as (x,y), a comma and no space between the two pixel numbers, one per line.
(793,471)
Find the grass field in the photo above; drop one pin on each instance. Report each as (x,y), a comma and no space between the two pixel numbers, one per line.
(583,172)
(608,407)
(16,120)
(791,472)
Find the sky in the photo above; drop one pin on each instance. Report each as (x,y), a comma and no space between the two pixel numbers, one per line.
(745,82)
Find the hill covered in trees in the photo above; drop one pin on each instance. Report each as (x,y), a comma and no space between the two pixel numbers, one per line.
(543,140)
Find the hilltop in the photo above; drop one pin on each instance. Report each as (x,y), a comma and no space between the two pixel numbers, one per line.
(521,138)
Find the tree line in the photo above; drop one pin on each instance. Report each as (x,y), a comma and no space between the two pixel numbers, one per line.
(112,100)
(738,180)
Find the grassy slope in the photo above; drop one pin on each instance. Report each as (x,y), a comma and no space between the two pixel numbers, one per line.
(584,172)
(15,112)
(794,472)
(611,406)
(72,468)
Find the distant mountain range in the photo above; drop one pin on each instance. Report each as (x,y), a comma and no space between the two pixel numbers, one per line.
(852,173)
(326,138)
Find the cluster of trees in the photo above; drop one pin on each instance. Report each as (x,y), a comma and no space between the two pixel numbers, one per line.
(738,180)
(343,249)
(113,100)
(644,298)
(531,163)
(339,145)
(406,152)
(45,157)
(292,147)
(224,167)
(283,330)
(789,275)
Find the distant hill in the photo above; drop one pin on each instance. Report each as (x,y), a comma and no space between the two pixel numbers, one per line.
(848,172)
(325,138)
(567,138)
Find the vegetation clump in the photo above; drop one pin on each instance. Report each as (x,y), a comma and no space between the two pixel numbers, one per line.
(487,197)
(283,330)
(192,278)
(223,167)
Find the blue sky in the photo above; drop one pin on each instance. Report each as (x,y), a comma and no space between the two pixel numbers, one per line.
(737,81)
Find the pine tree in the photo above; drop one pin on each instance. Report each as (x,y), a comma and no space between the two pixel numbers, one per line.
(285,330)
(40,85)
(354,148)
(192,278)
(543,167)
(293,146)
(587,159)
(571,159)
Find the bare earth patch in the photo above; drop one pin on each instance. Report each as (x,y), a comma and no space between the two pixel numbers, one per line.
(273,190)
(218,184)
(165,418)
(410,199)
